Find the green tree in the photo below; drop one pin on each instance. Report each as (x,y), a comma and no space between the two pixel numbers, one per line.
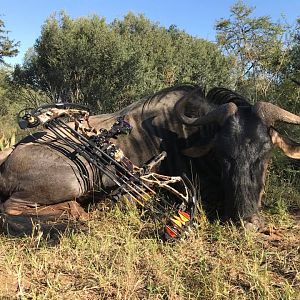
(76,60)
(10,103)
(293,68)
(288,87)
(257,46)
(8,47)
(171,56)
(110,65)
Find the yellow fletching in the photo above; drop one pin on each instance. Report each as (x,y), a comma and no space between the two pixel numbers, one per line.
(176,222)
(183,218)
(177,218)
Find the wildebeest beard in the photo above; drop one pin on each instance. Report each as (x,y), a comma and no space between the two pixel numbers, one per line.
(229,190)
(242,185)
(243,153)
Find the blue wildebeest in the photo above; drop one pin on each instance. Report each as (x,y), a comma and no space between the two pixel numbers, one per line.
(219,140)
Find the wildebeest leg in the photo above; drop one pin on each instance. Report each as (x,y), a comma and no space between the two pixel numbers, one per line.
(255,223)
(14,206)
(19,218)
(69,208)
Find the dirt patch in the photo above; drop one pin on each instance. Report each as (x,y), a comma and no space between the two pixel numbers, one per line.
(9,286)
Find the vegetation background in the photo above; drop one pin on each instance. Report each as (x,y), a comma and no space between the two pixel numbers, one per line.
(108,66)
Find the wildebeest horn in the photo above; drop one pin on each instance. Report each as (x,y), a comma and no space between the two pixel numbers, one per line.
(218,115)
(271,113)
(288,146)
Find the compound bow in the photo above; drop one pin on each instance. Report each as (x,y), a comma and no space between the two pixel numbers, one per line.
(135,183)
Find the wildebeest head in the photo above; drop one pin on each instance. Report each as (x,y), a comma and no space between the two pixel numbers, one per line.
(243,140)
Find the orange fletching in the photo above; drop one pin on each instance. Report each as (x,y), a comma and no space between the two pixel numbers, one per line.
(185,217)
(172,233)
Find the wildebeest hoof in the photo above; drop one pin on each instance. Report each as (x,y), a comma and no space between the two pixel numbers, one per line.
(77,212)
(254,223)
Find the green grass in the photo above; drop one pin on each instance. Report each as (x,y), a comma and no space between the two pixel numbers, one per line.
(112,258)
(7,142)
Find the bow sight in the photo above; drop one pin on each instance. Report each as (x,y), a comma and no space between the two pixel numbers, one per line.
(32,117)
(137,184)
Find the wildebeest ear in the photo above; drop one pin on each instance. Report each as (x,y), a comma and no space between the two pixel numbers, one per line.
(196,151)
(289,147)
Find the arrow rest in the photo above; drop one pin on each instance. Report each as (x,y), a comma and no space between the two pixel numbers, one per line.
(138,184)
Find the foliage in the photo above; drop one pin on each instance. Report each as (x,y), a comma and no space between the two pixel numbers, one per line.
(14,98)
(8,47)
(257,45)
(7,142)
(9,103)
(266,56)
(110,65)
(9,94)
(170,56)
(294,66)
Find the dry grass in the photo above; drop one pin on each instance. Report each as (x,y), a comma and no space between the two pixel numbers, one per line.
(113,258)
(117,256)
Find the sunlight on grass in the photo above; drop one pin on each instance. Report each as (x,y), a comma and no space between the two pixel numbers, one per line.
(115,255)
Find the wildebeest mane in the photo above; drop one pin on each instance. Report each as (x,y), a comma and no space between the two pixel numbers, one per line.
(157,97)
(220,95)
(162,93)
(148,102)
